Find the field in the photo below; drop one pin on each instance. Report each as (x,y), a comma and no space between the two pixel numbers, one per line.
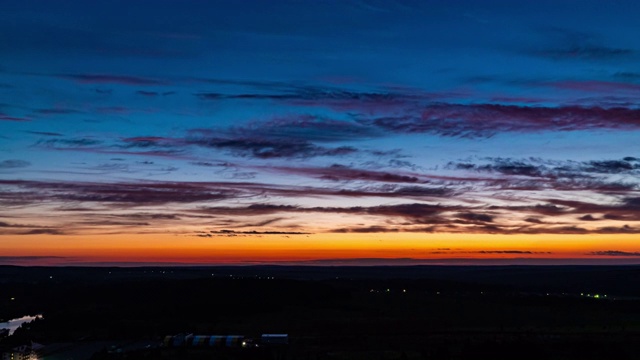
(332,313)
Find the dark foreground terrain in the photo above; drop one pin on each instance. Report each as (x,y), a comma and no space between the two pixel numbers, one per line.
(420,312)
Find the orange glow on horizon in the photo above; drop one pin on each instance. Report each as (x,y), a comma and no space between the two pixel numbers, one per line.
(284,248)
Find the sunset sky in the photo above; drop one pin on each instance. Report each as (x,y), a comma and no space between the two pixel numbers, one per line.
(319,132)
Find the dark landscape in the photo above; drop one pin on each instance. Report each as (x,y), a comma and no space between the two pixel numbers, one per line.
(417,312)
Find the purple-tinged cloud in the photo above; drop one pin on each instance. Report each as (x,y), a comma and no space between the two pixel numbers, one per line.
(534,220)
(506,252)
(588,217)
(340,100)
(154,93)
(45,133)
(124,194)
(615,253)
(585,52)
(307,128)
(503,166)
(626,210)
(417,212)
(595,175)
(71,142)
(369,229)
(33,260)
(568,44)
(416,113)
(112,79)
(151,141)
(338,172)
(486,120)
(56,111)
(113,110)
(611,166)
(5,117)
(28,229)
(475,217)
(266,148)
(291,92)
(603,87)
(13,164)
(147,93)
(42,232)
(253,232)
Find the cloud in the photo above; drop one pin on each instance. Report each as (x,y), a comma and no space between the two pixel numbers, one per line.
(534,220)
(42,232)
(5,117)
(594,175)
(241,146)
(343,101)
(125,194)
(147,146)
(588,217)
(72,142)
(422,191)
(56,111)
(369,229)
(475,218)
(625,229)
(292,92)
(337,172)
(45,133)
(14,164)
(154,93)
(140,194)
(585,52)
(614,253)
(611,166)
(111,79)
(308,128)
(251,210)
(444,226)
(627,75)
(568,44)
(505,252)
(282,137)
(150,141)
(8,225)
(416,112)
(411,217)
(505,166)
(486,120)
(28,229)
(33,260)
(433,208)
(266,148)
(253,232)
(147,93)
(114,110)
(418,212)
(19,258)
(603,87)
(626,210)
(441,261)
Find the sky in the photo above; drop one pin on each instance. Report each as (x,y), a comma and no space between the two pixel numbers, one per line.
(319,132)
